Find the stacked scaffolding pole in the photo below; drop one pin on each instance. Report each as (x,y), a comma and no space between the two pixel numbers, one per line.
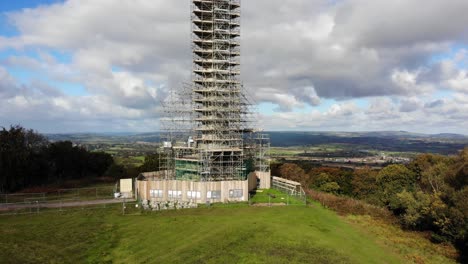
(208,121)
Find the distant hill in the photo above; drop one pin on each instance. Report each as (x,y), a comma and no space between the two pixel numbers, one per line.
(401,141)
(384,141)
(449,136)
(106,137)
(379,134)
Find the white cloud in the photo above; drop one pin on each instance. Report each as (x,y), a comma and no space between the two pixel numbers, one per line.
(126,54)
(459,82)
(343,109)
(410,104)
(409,82)
(7,84)
(381,114)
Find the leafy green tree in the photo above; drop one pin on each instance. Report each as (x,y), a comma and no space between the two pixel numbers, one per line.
(425,161)
(330,187)
(392,180)
(432,179)
(342,177)
(153,162)
(430,171)
(460,201)
(457,177)
(320,180)
(19,151)
(116,171)
(324,182)
(66,161)
(28,159)
(417,209)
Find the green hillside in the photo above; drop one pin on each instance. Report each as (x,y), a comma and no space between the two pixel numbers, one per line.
(240,234)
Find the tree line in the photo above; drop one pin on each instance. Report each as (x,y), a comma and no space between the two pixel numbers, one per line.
(428,194)
(152,162)
(28,159)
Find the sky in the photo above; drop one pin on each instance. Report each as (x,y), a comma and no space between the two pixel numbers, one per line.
(320,65)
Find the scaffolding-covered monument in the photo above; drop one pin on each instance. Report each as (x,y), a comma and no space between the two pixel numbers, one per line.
(210,149)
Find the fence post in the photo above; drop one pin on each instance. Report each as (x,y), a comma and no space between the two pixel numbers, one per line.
(123,206)
(287,199)
(269,200)
(37,209)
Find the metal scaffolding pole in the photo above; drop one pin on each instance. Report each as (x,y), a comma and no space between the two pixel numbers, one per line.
(207,122)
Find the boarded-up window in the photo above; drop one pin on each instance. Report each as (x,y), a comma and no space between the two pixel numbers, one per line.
(156,193)
(126,185)
(235,193)
(193,195)
(174,194)
(213,194)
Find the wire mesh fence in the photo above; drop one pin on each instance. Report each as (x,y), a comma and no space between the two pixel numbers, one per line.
(91,193)
(61,206)
(275,199)
(103,197)
(59,200)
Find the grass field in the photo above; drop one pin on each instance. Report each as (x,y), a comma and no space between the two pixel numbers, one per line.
(239,234)
(407,243)
(285,151)
(325,148)
(273,196)
(134,161)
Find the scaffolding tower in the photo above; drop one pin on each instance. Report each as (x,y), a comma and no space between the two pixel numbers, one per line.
(207,127)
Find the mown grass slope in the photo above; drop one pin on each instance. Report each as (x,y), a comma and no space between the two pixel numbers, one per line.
(242,234)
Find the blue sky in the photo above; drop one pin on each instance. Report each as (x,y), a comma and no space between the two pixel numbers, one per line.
(15,5)
(6,6)
(353,65)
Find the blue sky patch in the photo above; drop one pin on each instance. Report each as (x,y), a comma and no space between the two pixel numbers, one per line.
(72,89)
(15,5)
(6,28)
(450,55)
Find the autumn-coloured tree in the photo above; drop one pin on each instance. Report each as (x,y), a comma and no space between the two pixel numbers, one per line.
(364,184)
(430,193)
(293,172)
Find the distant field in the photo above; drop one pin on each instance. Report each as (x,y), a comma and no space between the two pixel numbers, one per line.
(131,160)
(278,151)
(239,234)
(385,141)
